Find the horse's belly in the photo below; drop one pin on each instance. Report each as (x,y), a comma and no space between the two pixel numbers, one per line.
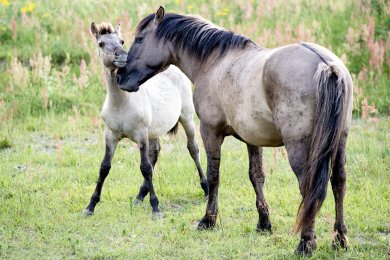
(162,126)
(165,114)
(258,132)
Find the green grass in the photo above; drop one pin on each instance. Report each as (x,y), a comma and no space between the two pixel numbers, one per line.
(49,173)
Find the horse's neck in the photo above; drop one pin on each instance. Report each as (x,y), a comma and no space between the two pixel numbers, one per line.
(188,65)
(197,70)
(114,93)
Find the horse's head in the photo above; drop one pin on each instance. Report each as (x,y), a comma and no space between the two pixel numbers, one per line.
(110,49)
(147,56)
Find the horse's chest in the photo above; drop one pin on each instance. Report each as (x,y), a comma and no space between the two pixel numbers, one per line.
(112,119)
(120,120)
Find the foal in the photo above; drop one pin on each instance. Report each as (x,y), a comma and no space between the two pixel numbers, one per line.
(142,117)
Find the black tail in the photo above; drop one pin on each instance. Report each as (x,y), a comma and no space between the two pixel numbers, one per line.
(328,124)
(174,129)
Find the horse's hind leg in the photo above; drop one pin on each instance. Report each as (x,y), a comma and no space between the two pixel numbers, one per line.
(111,142)
(147,171)
(189,127)
(154,151)
(338,179)
(257,177)
(212,139)
(297,156)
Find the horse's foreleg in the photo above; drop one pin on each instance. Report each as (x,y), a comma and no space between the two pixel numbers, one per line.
(257,177)
(189,128)
(111,142)
(338,180)
(297,156)
(212,139)
(147,171)
(154,151)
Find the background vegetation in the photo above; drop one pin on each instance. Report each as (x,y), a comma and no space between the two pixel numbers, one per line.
(51,91)
(48,61)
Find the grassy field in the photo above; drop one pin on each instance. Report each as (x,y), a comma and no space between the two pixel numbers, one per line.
(49,173)
(51,138)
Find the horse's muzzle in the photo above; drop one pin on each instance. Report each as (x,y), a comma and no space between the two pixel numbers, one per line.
(120,60)
(129,85)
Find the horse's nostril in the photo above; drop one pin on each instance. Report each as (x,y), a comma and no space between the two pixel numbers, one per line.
(117,54)
(118,78)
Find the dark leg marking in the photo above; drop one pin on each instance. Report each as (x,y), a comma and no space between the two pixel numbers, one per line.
(338,180)
(103,172)
(297,154)
(189,128)
(257,177)
(213,140)
(147,171)
(154,151)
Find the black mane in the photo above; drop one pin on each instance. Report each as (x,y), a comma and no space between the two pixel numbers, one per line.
(197,36)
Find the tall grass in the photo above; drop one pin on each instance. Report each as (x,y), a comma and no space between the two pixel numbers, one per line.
(48,61)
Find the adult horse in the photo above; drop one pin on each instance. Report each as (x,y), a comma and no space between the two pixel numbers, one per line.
(299,96)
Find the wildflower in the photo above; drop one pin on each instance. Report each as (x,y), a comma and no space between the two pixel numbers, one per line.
(29,8)
(223,12)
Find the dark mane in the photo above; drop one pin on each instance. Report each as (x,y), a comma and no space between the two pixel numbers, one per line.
(105,28)
(197,36)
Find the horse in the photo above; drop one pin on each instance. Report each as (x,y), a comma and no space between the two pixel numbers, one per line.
(162,103)
(299,96)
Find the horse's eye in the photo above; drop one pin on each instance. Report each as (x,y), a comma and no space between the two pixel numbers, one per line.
(101,44)
(122,42)
(139,39)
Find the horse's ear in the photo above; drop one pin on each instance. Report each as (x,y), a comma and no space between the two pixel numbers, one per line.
(94,30)
(159,15)
(118,29)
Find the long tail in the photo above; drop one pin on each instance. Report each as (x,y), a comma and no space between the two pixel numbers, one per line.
(328,124)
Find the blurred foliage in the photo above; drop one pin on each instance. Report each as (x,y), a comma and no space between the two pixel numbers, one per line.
(357,31)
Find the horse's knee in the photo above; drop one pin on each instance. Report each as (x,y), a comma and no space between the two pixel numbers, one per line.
(105,167)
(213,170)
(212,179)
(257,176)
(193,148)
(147,170)
(338,178)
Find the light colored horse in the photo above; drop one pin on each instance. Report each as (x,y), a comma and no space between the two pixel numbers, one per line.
(299,96)
(144,116)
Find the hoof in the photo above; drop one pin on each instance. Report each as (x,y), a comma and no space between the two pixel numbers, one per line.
(264,227)
(137,202)
(306,247)
(87,212)
(206,223)
(339,241)
(157,215)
